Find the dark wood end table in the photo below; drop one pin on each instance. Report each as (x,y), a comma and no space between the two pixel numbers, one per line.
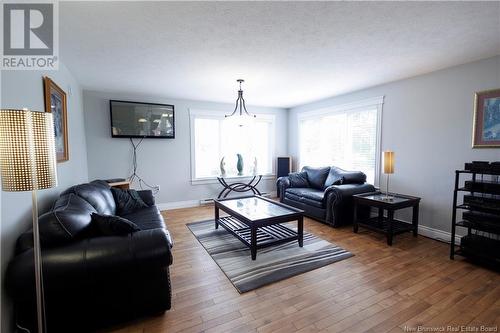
(256,221)
(386,225)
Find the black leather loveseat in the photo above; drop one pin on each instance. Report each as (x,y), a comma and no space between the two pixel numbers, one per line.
(324,194)
(93,281)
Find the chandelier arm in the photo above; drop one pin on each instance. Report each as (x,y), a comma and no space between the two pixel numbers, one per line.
(245,108)
(235,108)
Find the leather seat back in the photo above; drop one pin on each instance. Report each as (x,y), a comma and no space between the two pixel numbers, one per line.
(98,194)
(316,176)
(69,219)
(340,176)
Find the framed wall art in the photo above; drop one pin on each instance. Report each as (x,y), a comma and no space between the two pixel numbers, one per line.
(486,124)
(56,103)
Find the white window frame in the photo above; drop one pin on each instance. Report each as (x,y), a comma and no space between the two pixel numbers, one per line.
(375,102)
(215,114)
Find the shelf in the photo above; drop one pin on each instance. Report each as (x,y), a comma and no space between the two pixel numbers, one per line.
(480,217)
(486,187)
(481,212)
(481,204)
(486,227)
(398,226)
(480,247)
(478,209)
(266,236)
(482,171)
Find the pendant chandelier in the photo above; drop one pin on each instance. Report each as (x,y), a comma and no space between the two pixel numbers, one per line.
(240,103)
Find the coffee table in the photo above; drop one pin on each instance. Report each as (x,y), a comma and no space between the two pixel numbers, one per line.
(256,221)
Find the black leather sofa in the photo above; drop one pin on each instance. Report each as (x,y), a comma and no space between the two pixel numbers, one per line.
(93,281)
(325,194)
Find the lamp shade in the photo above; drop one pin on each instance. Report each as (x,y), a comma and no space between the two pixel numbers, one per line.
(388,162)
(27,150)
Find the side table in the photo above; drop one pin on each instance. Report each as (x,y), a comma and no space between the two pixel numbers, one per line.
(386,225)
(239,186)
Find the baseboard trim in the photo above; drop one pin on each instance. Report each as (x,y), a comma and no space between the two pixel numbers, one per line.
(439,235)
(178,204)
(190,203)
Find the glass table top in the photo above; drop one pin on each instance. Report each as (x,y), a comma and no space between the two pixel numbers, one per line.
(254,208)
(235,175)
(381,197)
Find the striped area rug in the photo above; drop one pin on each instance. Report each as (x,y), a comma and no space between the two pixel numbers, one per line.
(273,263)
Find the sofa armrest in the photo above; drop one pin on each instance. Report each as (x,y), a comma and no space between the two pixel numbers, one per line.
(91,260)
(282,184)
(339,202)
(147,197)
(337,193)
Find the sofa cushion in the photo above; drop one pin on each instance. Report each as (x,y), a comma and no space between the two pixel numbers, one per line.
(127,201)
(314,203)
(316,176)
(298,179)
(146,218)
(149,218)
(334,177)
(306,193)
(112,225)
(348,177)
(96,193)
(69,219)
(307,196)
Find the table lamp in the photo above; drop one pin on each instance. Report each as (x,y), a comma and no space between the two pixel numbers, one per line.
(388,169)
(28,163)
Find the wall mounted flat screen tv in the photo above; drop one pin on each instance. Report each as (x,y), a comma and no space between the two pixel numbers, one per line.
(141,120)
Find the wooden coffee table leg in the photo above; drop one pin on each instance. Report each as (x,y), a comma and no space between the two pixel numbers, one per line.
(253,242)
(300,230)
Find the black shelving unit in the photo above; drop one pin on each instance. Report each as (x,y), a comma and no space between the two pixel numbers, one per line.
(480,212)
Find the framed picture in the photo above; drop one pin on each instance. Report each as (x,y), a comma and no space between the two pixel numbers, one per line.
(486,127)
(55,102)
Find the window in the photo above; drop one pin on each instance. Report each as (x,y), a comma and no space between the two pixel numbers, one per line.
(213,136)
(347,136)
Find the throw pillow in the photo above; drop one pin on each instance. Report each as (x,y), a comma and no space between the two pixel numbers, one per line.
(334,177)
(355,177)
(316,176)
(338,176)
(127,201)
(298,179)
(110,225)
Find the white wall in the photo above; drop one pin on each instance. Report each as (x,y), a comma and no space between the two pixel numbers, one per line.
(427,121)
(25,89)
(164,162)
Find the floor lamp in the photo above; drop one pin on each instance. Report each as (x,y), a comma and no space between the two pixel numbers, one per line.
(28,163)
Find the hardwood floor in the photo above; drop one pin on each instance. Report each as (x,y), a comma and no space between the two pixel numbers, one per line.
(380,289)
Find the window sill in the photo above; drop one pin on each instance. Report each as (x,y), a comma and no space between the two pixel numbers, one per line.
(213,180)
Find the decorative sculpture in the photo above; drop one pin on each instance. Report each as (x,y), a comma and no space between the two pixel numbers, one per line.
(239,165)
(222,167)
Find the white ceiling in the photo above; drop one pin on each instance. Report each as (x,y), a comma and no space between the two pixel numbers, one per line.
(289,53)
